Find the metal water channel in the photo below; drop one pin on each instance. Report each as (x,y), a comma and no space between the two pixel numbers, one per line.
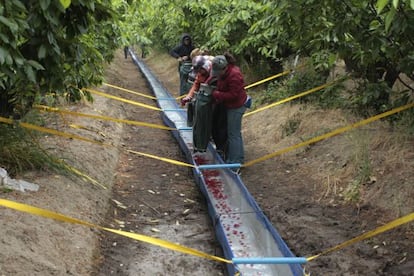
(240,225)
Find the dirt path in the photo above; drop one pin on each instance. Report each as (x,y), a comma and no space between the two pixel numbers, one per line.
(160,199)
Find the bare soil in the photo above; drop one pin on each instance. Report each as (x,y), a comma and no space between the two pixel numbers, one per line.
(305,193)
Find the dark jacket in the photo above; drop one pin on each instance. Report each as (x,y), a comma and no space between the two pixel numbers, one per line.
(230,88)
(182,49)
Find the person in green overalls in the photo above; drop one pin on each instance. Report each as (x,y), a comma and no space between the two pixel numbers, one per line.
(182,53)
(206,114)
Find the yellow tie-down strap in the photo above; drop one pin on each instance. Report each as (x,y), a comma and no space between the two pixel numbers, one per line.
(98,117)
(155,241)
(167,160)
(307,92)
(100,93)
(72,136)
(269,79)
(393,224)
(50,131)
(130,91)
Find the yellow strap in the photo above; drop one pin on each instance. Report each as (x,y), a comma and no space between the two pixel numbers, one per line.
(79,127)
(395,223)
(105,118)
(129,91)
(268,79)
(291,98)
(50,131)
(175,162)
(81,174)
(121,99)
(162,243)
(330,134)
(67,135)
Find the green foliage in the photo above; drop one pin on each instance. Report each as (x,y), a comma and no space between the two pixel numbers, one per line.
(62,46)
(403,120)
(375,41)
(290,127)
(20,152)
(370,98)
(303,81)
(65,3)
(274,92)
(353,191)
(5,190)
(299,82)
(47,48)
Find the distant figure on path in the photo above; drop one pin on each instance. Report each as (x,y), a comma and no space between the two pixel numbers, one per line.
(126,50)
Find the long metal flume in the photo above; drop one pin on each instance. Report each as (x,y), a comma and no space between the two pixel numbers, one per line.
(240,225)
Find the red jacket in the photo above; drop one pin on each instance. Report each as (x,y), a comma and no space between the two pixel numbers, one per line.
(201,77)
(230,88)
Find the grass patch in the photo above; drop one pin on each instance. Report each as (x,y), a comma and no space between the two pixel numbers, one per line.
(362,163)
(290,127)
(20,152)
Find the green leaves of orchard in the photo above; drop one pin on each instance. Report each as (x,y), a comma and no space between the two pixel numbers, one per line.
(62,46)
(381,4)
(65,3)
(373,37)
(52,46)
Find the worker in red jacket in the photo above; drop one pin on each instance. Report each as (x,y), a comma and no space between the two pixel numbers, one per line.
(230,91)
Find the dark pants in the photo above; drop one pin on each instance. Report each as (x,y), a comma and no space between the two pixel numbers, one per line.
(235,152)
(219,129)
(202,122)
(126,49)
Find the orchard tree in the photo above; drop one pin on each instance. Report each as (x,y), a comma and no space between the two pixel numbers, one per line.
(373,37)
(52,47)
(61,46)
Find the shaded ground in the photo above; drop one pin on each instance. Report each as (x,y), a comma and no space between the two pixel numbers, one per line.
(304,193)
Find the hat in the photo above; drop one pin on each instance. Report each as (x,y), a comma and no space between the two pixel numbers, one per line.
(219,64)
(201,62)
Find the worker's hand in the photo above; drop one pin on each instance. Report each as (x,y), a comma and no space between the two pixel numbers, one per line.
(185,100)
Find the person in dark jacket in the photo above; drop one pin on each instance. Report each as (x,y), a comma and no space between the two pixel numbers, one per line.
(126,50)
(230,91)
(182,53)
